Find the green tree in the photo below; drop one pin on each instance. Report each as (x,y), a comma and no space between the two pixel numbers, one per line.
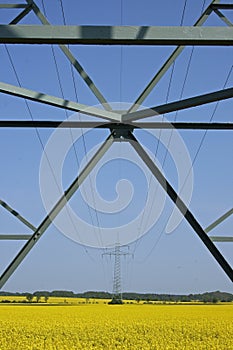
(29,297)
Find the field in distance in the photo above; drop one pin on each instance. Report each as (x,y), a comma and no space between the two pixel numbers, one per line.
(85,301)
(103,326)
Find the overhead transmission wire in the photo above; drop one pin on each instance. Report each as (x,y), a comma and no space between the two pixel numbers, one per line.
(60,85)
(183,86)
(193,162)
(202,139)
(31,115)
(85,151)
(206,131)
(32,118)
(83,137)
(157,147)
(120,144)
(36,129)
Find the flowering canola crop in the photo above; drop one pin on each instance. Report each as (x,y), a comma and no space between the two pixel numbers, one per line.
(145,327)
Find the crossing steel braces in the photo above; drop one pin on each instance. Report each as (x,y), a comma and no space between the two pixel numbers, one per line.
(121,124)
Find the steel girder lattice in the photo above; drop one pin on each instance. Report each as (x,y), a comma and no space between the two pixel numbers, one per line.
(121,125)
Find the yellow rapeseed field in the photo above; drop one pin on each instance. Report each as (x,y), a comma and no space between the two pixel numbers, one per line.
(102,326)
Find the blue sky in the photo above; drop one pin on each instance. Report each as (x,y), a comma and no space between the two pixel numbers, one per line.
(169,263)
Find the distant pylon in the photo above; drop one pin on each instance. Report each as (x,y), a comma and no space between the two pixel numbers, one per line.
(117,291)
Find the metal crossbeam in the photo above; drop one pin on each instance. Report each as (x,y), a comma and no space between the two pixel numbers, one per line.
(57,102)
(11,237)
(55,210)
(89,125)
(221,238)
(180,205)
(179,105)
(116,35)
(222,6)
(13,6)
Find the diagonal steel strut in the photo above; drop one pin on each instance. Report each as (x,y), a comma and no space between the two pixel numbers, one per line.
(180,205)
(21,15)
(179,105)
(17,215)
(55,210)
(154,81)
(73,60)
(219,220)
(57,102)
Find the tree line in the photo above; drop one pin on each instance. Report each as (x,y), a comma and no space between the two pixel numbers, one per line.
(146,297)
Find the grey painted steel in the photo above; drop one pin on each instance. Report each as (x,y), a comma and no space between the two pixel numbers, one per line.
(17,215)
(73,60)
(223,18)
(181,206)
(21,15)
(100,125)
(221,238)
(11,237)
(222,6)
(167,64)
(12,6)
(116,35)
(55,211)
(179,105)
(219,220)
(57,102)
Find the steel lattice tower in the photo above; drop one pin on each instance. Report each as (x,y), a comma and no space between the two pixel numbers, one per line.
(117,279)
(120,124)
(117,293)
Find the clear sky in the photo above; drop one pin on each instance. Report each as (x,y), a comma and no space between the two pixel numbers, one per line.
(157,262)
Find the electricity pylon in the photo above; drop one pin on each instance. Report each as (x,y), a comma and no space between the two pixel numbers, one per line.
(117,291)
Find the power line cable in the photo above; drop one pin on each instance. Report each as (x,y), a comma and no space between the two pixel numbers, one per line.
(158,140)
(206,131)
(193,162)
(85,152)
(183,86)
(70,131)
(200,145)
(36,129)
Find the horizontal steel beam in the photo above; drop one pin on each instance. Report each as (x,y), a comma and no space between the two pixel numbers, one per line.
(179,105)
(13,6)
(51,124)
(11,237)
(221,238)
(116,35)
(57,102)
(222,6)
